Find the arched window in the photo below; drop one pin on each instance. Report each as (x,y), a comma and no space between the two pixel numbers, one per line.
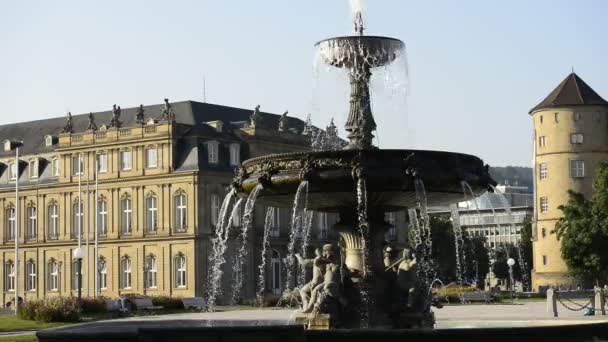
(126,215)
(9,276)
(215,208)
(125,272)
(323,226)
(53,275)
(9,225)
(76,219)
(30,275)
(102,216)
(275,263)
(150,270)
(275,222)
(32,220)
(151,213)
(53,221)
(180,271)
(103,273)
(180,211)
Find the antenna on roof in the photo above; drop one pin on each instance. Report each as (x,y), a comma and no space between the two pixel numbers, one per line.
(573,69)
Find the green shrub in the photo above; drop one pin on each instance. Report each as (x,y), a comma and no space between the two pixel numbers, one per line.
(28,309)
(56,309)
(93,305)
(169,303)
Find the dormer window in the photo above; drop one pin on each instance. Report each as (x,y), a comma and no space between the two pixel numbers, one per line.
(218,125)
(212,152)
(7,145)
(12,170)
(55,167)
(49,140)
(235,154)
(33,168)
(151,121)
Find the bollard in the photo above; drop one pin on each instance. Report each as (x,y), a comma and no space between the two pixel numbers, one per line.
(551,303)
(599,300)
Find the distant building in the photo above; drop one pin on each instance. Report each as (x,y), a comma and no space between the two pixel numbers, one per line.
(570,140)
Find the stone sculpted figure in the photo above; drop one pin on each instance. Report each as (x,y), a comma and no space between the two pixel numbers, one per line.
(406,274)
(255,118)
(139,116)
(330,286)
(167,114)
(283,122)
(115,122)
(92,125)
(318,269)
(69,124)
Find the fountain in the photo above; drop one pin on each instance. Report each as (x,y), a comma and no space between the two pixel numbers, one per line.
(361,183)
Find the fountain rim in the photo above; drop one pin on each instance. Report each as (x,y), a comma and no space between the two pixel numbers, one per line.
(353,37)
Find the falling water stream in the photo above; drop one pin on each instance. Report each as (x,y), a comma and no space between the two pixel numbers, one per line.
(299,203)
(363,225)
(246,223)
(265,245)
(306,232)
(458,244)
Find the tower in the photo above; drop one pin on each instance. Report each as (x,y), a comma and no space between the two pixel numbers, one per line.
(570,140)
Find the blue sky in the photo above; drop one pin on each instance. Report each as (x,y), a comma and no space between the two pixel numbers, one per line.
(475,67)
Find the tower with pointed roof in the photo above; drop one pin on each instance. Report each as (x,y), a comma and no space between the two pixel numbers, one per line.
(570,140)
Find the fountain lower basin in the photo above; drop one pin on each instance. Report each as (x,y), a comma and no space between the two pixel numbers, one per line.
(389,174)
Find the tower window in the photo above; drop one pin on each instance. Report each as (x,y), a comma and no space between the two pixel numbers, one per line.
(556,117)
(541,119)
(576,138)
(543,232)
(543,171)
(545,260)
(542,141)
(577,168)
(544,204)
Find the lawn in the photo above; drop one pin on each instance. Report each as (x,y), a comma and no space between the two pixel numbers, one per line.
(13,323)
(19,338)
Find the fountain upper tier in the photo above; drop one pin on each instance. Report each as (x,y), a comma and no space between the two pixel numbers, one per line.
(359,51)
(389,175)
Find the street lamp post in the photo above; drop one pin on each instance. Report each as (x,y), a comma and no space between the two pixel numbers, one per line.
(511,262)
(78,256)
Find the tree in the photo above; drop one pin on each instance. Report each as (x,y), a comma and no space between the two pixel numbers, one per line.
(477,262)
(444,251)
(526,248)
(501,268)
(583,231)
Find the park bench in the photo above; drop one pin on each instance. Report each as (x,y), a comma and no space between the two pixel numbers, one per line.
(477,296)
(116,308)
(145,305)
(194,303)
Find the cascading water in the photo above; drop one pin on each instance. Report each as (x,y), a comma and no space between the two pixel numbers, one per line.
(306,232)
(458,244)
(218,249)
(425,231)
(246,222)
(262,266)
(296,230)
(521,260)
(363,225)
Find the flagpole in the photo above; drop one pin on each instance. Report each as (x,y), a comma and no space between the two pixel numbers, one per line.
(79,201)
(96,252)
(88,232)
(17,231)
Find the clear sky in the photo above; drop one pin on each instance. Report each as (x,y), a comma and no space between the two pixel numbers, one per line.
(475,66)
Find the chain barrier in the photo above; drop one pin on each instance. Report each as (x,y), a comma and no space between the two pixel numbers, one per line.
(580,306)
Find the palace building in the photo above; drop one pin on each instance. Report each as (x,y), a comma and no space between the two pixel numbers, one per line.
(570,140)
(162,173)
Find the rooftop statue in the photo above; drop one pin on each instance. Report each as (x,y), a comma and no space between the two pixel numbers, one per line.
(283,122)
(256,118)
(139,116)
(69,125)
(92,125)
(115,122)
(167,114)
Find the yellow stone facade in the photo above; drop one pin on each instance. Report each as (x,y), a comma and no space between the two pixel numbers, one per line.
(557,148)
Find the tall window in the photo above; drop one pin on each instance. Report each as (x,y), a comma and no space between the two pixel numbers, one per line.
(10,224)
(180,212)
(151,213)
(576,138)
(102,216)
(543,171)
(12,170)
(215,208)
(391,219)
(543,232)
(235,154)
(76,165)
(275,223)
(126,215)
(545,260)
(102,162)
(577,168)
(33,167)
(276,272)
(180,271)
(32,220)
(323,226)
(75,272)
(544,204)
(76,219)
(30,274)
(53,221)
(9,276)
(151,270)
(53,276)
(556,115)
(55,167)
(103,273)
(542,141)
(151,154)
(212,152)
(541,119)
(125,160)
(125,271)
